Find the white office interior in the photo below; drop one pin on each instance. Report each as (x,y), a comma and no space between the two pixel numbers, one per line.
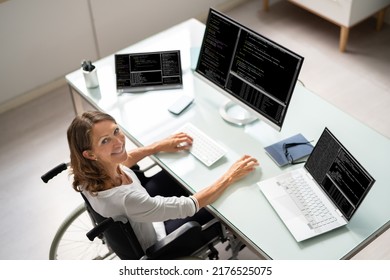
(44,40)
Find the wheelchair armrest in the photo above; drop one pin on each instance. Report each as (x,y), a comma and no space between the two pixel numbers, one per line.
(104,225)
(181,242)
(210,223)
(99,229)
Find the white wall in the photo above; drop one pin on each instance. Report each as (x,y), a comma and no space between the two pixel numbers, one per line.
(127,24)
(43,40)
(40,41)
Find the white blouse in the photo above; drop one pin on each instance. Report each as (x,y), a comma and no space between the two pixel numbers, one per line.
(145,213)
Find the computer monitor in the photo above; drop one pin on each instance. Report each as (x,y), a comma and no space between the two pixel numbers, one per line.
(254,72)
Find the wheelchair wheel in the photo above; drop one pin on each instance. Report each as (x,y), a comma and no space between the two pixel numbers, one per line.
(71,242)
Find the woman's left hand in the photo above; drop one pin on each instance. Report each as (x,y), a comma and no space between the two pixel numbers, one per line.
(174,143)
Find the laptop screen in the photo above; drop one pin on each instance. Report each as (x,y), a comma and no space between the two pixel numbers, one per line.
(148,71)
(339,174)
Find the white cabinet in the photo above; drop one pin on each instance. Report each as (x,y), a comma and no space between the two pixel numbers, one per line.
(344,13)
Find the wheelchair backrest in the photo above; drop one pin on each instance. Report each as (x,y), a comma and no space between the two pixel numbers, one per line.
(120,236)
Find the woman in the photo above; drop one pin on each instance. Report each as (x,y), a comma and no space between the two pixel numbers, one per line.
(101,169)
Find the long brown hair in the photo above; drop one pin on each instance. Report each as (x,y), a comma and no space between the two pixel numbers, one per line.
(88,174)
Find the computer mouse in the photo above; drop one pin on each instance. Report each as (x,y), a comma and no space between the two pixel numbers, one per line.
(183,144)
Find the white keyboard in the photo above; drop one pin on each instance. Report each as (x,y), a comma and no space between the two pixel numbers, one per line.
(203,147)
(308,202)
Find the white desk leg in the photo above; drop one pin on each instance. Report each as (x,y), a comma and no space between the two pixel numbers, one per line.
(77,101)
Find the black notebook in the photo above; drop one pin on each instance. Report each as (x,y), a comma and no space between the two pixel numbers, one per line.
(290,149)
(137,72)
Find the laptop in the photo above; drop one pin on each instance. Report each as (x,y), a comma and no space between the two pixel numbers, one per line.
(322,195)
(139,72)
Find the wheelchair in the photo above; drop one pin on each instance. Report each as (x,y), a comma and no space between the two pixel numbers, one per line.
(85,234)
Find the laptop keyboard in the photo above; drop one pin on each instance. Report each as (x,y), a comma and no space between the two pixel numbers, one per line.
(203,147)
(316,213)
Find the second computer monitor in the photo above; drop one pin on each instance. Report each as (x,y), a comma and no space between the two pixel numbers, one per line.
(253,71)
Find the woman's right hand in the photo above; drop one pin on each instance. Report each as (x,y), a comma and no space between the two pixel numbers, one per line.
(241,168)
(238,170)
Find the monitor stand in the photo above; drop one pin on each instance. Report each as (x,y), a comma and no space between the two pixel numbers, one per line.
(235,114)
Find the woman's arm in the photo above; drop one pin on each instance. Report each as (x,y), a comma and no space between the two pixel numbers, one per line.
(238,170)
(173,143)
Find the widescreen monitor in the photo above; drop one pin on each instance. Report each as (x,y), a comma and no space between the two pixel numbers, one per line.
(255,73)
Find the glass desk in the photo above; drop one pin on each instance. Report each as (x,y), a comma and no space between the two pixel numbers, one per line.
(243,208)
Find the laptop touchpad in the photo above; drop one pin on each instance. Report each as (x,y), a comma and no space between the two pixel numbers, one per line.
(286,207)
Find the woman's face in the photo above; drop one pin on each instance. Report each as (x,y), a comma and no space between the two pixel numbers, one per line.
(108,143)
